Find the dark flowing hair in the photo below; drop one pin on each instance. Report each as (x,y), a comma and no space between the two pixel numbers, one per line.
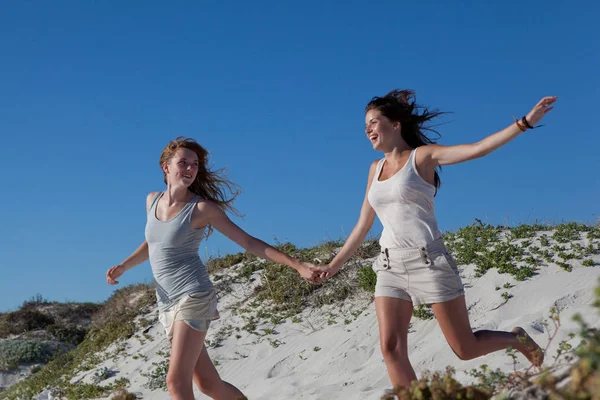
(401,106)
(209,185)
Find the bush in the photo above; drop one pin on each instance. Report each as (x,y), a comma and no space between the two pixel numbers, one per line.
(585,374)
(367,278)
(76,313)
(67,334)
(123,394)
(16,352)
(124,302)
(216,264)
(284,286)
(24,320)
(115,321)
(439,387)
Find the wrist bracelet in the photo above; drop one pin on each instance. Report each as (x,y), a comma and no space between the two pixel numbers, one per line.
(521,127)
(524,120)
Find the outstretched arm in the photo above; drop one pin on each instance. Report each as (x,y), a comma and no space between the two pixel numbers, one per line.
(220,221)
(358,234)
(444,155)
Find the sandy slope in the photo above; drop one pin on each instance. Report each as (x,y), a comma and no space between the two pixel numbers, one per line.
(316,360)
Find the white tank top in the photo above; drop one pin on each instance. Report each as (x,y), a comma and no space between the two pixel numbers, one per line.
(404,205)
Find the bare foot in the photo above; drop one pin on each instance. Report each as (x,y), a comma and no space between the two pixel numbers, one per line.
(528,347)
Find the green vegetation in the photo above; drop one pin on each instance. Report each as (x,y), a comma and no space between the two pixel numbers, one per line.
(113,321)
(423,312)
(583,375)
(278,294)
(15,352)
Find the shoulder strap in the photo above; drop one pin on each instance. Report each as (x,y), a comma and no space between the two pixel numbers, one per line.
(188,209)
(413,158)
(155,201)
(378,169)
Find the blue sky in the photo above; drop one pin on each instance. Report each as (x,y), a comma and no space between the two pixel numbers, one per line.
(92,91)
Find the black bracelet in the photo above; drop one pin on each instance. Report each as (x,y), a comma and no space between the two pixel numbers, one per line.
(524,120)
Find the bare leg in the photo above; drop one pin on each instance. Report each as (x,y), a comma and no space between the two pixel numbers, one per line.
(209,382)
(186,346)
(394,316)
(466,344)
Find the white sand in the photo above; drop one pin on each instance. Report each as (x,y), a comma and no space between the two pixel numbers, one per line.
(315,360)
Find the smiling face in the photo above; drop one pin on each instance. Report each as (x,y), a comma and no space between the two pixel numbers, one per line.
(182,168)
(381,132)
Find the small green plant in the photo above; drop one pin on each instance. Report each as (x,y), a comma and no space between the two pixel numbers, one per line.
(488,379)
(102,374)
(546,255)
(565,256)
(590,249)
(275,343)
(367,278)
(588,263)
(423,312)
(157,377)
(558,248)
(567,267)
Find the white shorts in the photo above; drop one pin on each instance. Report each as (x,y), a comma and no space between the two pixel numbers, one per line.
(195,309)
(424,275)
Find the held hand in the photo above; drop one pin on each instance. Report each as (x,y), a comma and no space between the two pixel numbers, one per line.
(537,113)
(325,271)
(113,273)
(309,274)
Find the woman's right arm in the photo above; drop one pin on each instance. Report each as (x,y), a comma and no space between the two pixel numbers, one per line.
(136,258)
(358,234)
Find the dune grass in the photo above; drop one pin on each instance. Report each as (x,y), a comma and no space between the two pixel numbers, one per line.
(113,321)
(280,294)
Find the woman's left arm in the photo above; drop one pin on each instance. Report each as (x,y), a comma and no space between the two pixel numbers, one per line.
(220,221)
(445,155)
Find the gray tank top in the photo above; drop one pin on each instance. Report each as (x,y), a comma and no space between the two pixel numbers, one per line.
(173,248)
